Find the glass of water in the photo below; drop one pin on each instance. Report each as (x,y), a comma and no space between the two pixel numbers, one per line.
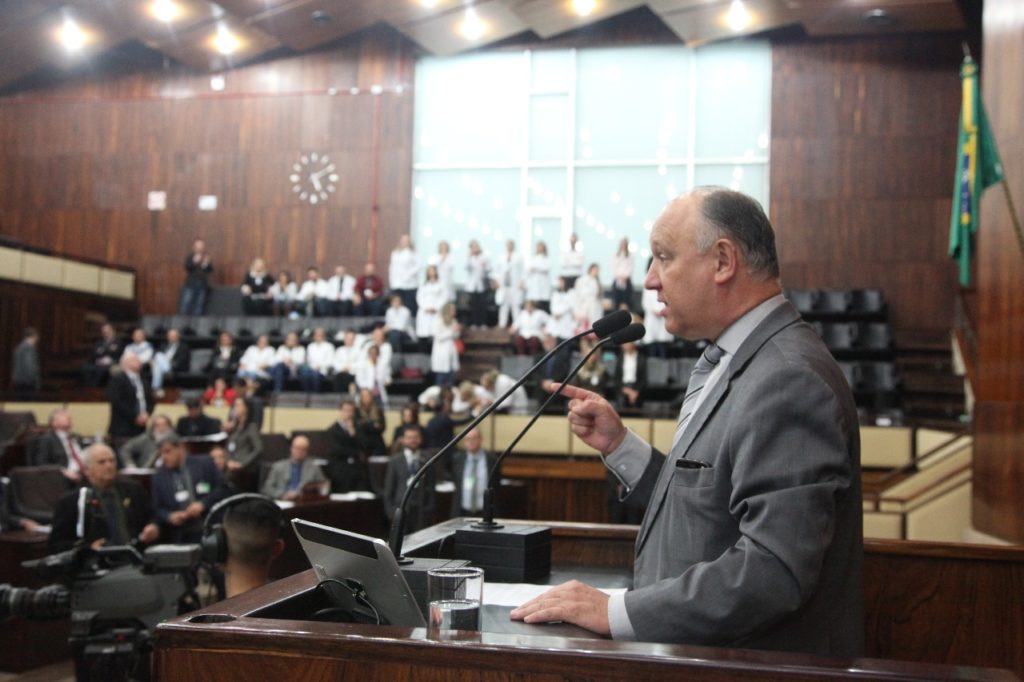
(454,595)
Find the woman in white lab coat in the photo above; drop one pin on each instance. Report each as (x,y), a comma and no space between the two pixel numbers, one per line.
(444,357)
(538,278)
(430,298)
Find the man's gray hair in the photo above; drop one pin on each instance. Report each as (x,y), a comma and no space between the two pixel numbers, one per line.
(735,216)
(94,448)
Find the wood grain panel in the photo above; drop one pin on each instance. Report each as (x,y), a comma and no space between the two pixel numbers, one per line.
(863,137)
(78,162)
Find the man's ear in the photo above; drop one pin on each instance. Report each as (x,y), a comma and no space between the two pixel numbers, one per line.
(726,260)
(278,548)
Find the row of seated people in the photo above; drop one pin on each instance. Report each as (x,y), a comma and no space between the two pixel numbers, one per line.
(339,463)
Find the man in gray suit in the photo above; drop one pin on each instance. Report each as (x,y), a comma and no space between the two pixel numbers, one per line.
(752,532)
(287,477)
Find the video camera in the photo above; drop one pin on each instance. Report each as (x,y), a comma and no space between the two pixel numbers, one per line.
(114,596)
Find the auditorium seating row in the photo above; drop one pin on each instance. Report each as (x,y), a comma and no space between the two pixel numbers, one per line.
(838,304)
(202,331)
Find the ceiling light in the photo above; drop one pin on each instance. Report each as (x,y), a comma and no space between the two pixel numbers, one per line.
(472,27)
(226,42)
(879,18)
(165,10)
(71,35)
(738,18)
(584,7)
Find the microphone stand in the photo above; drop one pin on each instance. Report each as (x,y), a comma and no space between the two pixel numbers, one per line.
(487,522)
(398,523)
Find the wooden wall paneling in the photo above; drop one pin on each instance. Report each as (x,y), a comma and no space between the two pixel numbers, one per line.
(999,393)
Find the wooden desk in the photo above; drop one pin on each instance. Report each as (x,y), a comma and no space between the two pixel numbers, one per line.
(238,646)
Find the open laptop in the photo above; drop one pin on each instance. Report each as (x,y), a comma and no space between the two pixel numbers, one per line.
(342,555)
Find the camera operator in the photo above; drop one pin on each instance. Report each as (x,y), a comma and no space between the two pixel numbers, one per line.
(253,532)
(110,510)
(184,488)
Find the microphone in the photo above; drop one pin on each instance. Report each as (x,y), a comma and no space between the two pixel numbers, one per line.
(603,328)
(633,332)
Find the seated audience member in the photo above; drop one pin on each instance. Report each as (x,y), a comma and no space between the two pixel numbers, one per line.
(630,376)
(59,446)
(370,288)
(253,532)
(378,338)
(287,477)
(373,374)
(107,510)
(398,327)
(219,393)
(371,421)
(223,363)
(105,354)
(495,384)
(284,295)
(528,329)
(401,467)
(142,450)
(346,359)
(313,294)
(258,360)
(26,376)
(171,360)
(289,360)
(410,415)
(195,424)
(319,362)
(256,289)
(341,289)
(430,297)
(244,445)
(219,455)
(131,401)
(469,471)
(142,348)
(9,521)
(347,450)
(184,488)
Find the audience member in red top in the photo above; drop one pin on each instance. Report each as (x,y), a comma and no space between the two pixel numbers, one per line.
(219,393)
(370,290)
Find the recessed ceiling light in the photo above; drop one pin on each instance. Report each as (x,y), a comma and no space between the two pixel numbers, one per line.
(738,18)
(879,18)
(226,42)
(584,8)
(71,35)
(472,27)
(165,10)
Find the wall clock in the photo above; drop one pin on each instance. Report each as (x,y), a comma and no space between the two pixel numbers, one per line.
(313,178)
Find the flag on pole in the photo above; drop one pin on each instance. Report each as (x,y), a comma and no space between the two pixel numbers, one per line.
(978,167)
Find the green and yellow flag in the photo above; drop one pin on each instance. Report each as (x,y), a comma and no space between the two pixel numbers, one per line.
(978,167)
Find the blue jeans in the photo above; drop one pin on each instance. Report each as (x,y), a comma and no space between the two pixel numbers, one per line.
(192,301)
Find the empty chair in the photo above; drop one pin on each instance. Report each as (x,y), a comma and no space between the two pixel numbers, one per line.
(875,336)
(206,327)
(153,325)
(834,301)
(183,323)
(515,365)
(804,300)
(880,377)
(840,336)
(35,490)
(868,302)
(232,324)
(275,446)
(659,372)
(198,360)
(851,370)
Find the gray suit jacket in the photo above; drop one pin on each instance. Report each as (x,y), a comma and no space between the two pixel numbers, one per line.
(763,549)
(280,473)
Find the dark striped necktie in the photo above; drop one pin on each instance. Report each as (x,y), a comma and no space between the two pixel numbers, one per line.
(709,359)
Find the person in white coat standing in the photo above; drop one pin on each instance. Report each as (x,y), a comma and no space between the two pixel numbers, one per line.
(538,278)
(508,273)
(404,272)
(478,269)
(444,357)
(431,297)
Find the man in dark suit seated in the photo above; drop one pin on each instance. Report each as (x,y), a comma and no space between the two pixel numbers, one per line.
(470,468)
(184,488)
(752,531)
(196,424)
(401,467)
(105,354)
(170,361)
(108,510)
(59,446)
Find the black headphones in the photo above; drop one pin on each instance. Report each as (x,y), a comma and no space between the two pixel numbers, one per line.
(214,545)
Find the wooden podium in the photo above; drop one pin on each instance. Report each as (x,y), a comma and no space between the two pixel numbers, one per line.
(935,590)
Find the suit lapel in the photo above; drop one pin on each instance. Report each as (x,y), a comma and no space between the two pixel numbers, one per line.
(777,320)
